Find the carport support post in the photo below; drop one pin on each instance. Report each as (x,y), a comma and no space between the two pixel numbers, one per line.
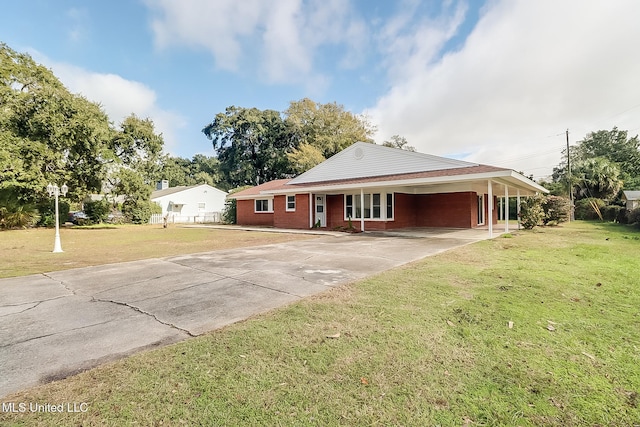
(310,210)
(361,209)
(506,209)
(518,208)
(490,208)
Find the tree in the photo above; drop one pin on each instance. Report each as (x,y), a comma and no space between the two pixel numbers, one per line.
(597,177)
(327,127)
(46,133)
(137,206)
(614,146)
(252,145)
(397,141)
(138,147)
(305,157)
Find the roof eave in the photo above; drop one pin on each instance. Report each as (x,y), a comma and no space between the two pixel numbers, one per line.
(506,173)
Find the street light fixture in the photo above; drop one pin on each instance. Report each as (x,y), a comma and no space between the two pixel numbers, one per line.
(53,190)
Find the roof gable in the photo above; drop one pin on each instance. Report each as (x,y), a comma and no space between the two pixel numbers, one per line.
(369,160)
(631,195)
(172,190)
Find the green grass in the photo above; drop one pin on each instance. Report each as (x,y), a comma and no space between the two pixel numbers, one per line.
(29,251)
(425,344)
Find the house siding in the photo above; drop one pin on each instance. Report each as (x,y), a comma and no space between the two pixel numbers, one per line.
(245,214)
(291,219)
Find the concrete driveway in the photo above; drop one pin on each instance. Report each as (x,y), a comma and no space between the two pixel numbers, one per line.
(57,324)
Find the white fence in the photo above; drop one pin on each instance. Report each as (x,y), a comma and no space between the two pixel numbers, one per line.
(184,219)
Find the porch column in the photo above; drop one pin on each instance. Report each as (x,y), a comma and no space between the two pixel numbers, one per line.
(506,209)
(490,208)
(310,210)
(361,209)
(518,208)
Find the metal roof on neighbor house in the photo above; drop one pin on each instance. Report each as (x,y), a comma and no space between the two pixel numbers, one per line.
(631,195)
(171,190)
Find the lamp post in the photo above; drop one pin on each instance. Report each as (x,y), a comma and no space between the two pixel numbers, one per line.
(53,190)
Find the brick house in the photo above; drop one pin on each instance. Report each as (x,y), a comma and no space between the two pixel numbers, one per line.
(373,187)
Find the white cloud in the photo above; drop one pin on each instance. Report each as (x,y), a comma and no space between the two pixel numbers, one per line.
(77,30)
(279,40)
(528,71)
(118,96)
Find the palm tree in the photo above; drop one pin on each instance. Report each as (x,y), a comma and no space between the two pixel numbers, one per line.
(597,177)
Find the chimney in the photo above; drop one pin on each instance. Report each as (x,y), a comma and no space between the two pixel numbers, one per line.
(162,185)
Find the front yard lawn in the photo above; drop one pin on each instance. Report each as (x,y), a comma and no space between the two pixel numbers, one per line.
(29,251)
(541,329)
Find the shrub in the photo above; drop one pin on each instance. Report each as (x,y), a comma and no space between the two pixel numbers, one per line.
(531,213)
(556,209)
(634,216)
(97,210)
(623,215)
(585,208)
(140,211)
(230,212)
(14,216)
(610,213)
(47,212)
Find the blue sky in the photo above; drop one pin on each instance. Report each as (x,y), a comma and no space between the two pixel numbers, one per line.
(496,82)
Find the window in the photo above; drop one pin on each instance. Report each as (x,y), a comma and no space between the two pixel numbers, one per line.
(291,203)
(375,205)
(480,209)
(201,207)
(263,205)
(389,205)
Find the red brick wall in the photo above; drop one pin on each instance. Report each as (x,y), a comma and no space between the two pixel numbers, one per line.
(446,210)
(404,212)
(245,214)
(296,219)
(335,211)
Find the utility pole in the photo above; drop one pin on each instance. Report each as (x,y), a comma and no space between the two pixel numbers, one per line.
(569,179)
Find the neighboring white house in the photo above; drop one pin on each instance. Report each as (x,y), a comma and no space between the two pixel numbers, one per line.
(632,198)
(196,203)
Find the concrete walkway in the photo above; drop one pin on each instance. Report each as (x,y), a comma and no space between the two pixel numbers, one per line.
(57,324)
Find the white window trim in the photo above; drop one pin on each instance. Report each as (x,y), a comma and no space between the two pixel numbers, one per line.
(269,206)
(286,203)
(481,209)
(383,206)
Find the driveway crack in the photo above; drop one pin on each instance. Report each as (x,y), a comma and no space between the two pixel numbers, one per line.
(146,313)
(73,292)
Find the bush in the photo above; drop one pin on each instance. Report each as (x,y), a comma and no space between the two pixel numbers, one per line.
(556,209)
(13,216)
(584,208)
(97,210)
(623,215)
(230,212)
(47,212)
(140,211)
(634,216)
(610,213)
(531,213)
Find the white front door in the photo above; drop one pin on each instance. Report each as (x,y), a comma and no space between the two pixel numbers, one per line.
(321,215)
